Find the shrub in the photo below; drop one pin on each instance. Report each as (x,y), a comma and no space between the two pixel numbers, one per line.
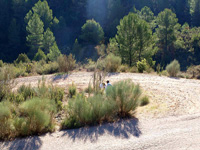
(46,68)
(26,91)
(173,68)
(144,101)
(90,65)
(38,114)
(22,58)
(123,68)
(82,111)
(112,63)
(5,121)
(142,65)
(72,90)
(1,63)
(126,96)
(133,69)
(66,63)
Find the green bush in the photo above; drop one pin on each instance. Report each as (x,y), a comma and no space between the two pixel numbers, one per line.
(72,90)
(173,68)
(126,96)
(142,65)
(23,58)
(43,68)
(26,91)
(38,114)
(144,101)
(1,63)
(5,121)
(66,63)
(112,63)
(83,111)
(133,69)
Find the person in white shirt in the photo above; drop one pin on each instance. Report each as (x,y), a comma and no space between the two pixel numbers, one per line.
(108,84)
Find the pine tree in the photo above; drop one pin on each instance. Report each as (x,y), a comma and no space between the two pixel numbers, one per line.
(92,32)
(196,14)
(35,34)
(48,41)
(40,55)
(54,52)
(166,33)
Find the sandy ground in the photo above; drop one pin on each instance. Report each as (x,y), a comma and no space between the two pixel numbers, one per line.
(170,121)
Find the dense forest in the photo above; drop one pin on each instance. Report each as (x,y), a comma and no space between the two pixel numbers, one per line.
(166,30)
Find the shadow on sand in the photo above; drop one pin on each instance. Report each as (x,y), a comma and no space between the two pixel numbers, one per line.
(120,129)
(59,77)
(32,143)
(113,74)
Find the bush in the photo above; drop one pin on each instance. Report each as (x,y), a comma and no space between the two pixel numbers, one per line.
(123,68)
(46,68)
(22,58)
(38,114)
(112,63)
(90,65)
(173,68)
(5,121)
(26,91)
(142,65)
(144,101)
(1,63)
(133,69)
(82,111)
(66,63)
(126,96)
(72,90)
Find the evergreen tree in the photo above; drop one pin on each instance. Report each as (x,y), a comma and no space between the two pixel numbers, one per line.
(48,41)
(196,14)
(166,33)
(134,37)
(54,52)
(40,55)
(44,12)
(92,33)
(35,34)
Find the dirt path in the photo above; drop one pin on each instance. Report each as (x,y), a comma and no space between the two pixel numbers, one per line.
(170,121)
(171,133)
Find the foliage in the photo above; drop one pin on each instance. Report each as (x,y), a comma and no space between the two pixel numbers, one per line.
(82,111)
(35,33)
(123,68)
(34,116)
(166,33)
(1,63)
(54,52)
(134,38)
(23,58)
(125,94)
(38,114)
(173,68)
(40,55)
(112,63)
(66,63)
(144,101)
(72,90)
(142,65)
(92,32)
